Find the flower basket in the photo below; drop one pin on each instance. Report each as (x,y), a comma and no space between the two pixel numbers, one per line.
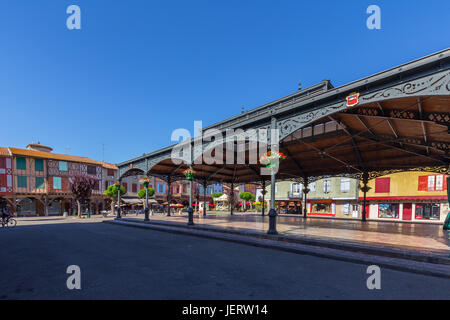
(189,174)
(272,159)
(144,181)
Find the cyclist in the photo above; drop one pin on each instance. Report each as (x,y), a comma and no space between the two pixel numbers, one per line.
(5,215)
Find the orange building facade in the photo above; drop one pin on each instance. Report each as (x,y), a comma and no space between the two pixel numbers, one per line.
(37,181)
(408,197)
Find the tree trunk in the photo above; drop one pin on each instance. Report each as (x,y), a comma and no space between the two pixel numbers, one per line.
(79,208)
(112,207)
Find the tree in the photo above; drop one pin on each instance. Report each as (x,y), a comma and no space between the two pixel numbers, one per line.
(217,195)
(247,197)
(82,186)
(141,193)
(112,191)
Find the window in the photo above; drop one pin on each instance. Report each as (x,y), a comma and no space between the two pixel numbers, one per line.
(40,183)
(327,186)
(347,208)
(21,163)
(321,208)
(382,185)
(388,210)
(38,165)
(296,188)
(125,185)
(428,211)
(62,166)
(92,170)
(21,181)
(134,188)
(161,188)
(57,185)
(432,183)
(345,185)
(110,173)
(312,187)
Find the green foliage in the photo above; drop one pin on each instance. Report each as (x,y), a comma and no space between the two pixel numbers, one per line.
(217,195)
(247,196)
(113,190)
(141,193)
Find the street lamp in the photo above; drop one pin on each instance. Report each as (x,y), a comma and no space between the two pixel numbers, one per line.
(146,181)
(189,174)
(272,161)
(117,184)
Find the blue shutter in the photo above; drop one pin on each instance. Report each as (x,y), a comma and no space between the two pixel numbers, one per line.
(57,183)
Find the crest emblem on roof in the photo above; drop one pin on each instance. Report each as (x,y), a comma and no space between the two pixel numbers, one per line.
(352,99)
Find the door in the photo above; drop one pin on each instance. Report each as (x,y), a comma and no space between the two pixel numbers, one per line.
(407,211)
(367,211)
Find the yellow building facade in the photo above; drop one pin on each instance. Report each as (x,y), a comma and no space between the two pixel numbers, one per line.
(408,197)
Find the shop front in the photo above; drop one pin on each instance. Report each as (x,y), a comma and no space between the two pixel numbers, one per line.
(322,208)
(415,209)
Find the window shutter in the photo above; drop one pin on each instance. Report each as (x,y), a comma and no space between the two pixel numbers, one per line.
(439,183)
(431,183)
(382,185)
(423,183)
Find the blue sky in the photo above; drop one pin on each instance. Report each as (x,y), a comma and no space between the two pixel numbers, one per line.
(137,70)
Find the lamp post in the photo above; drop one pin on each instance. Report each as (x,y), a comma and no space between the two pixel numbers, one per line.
(118,217)
(189,174)
(145,182)
(272,212)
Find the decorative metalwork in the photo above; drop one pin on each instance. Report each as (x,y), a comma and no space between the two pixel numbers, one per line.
(436,84)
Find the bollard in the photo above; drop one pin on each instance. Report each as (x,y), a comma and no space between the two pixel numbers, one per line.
(272,222)
(146,211)
(190,216)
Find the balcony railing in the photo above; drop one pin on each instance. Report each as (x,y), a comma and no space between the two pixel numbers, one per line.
(295,195)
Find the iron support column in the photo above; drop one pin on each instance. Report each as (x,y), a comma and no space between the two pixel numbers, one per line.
(190,210)
(263,196)
(204,197)
(169,195)
(447,221)
(365,189)
(232,198)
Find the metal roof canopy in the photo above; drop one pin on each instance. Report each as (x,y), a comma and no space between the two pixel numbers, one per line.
(402,122)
